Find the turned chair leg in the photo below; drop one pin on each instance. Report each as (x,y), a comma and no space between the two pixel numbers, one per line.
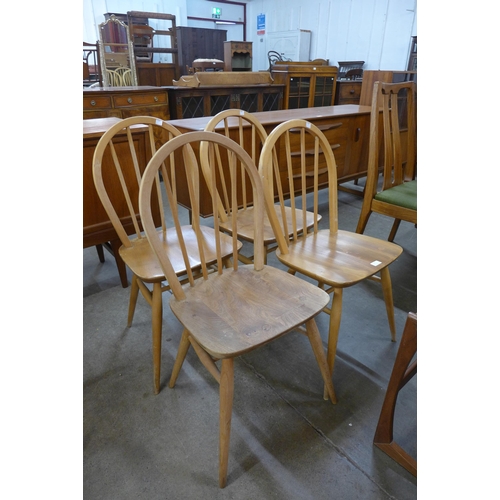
(181,355)
(333,333)
(226,410)
(134,293)
(157,312)
(385,277)
(402,372)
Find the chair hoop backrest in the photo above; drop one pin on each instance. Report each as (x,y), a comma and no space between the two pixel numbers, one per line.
(183,145)
(301,169)
(116,168)
(235,125)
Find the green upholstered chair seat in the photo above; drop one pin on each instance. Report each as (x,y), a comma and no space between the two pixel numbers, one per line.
(404,195)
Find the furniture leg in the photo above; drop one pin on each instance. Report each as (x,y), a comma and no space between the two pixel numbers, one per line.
(157,312)
(394,229)
(181,355)
(402,372)
(100,252)
(122,269)
(134,292)
(317,347)
(389,302)
(333,333)
(226,410)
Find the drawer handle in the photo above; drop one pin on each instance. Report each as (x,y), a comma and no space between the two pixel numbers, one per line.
(351,91)
(156,99)
(92,102)
(311,174)
(357,135)
(129,100)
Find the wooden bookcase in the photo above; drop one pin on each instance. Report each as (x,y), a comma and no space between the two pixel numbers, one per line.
(237,56)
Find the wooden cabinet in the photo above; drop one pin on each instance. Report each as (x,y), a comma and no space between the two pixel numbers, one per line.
(189,102)
(199,43)
(348,91)
(306,86)
(346,128)
(237,56)
(122,102)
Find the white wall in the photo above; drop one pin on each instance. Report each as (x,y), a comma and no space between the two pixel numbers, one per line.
(375,31)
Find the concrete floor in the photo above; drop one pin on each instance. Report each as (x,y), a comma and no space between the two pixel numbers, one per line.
(286,441)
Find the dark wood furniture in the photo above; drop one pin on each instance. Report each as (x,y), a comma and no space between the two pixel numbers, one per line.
(346,128)
(402,372)
(348,91)
(238,56)
(97,228)
(307,85)
(412,60)
(163,66)
(188,102)
(122,102)
(199,43)
(91,64)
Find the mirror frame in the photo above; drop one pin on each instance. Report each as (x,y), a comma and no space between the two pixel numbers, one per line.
(128,45)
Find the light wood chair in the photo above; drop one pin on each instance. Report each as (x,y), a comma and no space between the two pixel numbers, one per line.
(335,258)
(245,129)
(117,176)
(237,309)
(397,195)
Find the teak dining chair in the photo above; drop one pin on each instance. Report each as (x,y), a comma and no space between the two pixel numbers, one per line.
(245,129)
(397,195)
(335,258)
(117,176)
(238,309)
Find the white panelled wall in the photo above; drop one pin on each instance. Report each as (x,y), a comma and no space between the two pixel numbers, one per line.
(375,31)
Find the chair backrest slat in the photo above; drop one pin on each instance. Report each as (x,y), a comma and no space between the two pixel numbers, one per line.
(117,170)
(205,241)
(302,160)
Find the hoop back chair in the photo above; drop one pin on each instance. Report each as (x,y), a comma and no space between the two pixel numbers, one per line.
(117,176)
(335,258)
(397,195)
(234,310)
(245,129)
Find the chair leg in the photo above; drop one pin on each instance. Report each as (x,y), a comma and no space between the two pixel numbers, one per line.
(317,347)
(226,410)
(363,219)
(134,292)
(100,252)
(402,372)
(157,312)
(333,332)
(389,304)
(394,230)
(181,355)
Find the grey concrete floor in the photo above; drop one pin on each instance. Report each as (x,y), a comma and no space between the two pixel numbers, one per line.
(286,441)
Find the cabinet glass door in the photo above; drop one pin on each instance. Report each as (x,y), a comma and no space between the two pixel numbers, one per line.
(323,93)
(299,92)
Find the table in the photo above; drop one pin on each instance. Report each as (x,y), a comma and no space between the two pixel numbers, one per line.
(97,228)
(346,127)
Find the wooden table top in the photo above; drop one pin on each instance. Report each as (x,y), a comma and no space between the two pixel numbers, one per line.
(95,127)
(276,117)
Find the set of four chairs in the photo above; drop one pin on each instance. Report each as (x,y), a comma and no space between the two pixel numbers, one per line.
(264,194)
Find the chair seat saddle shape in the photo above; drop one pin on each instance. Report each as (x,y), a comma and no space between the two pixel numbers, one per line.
(395,193)
(240,307)
(245,129)
(335,258)
(117,175)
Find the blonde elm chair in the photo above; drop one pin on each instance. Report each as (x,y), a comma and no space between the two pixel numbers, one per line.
(238,309)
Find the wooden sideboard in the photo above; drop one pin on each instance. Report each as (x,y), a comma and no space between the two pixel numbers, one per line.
(346,127)
(97,228)
(192,102)
(122,102)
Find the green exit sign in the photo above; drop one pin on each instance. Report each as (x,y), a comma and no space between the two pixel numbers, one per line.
(216,12)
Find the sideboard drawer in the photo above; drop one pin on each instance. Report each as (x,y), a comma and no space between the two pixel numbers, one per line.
(97,102)
(124,101)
